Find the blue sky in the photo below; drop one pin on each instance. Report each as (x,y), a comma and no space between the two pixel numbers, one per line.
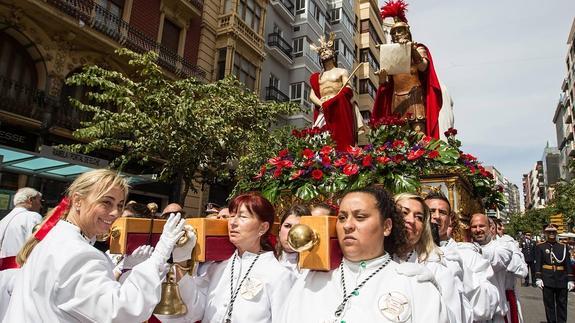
(503,63)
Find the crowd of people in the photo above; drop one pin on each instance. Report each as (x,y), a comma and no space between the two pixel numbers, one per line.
(400,263)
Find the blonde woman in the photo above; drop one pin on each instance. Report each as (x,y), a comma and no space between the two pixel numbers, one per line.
(65,279)
(421,249)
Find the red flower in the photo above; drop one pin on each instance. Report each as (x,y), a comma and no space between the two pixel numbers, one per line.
(308,162)
(326,150)
(262,172)
(397,159)
(317,174)
(398,143)
(383,159)
(283,153)
(296,174)
(308,153)
(472,169)
(354,151)
(413,155)
(286,163)
(450,132)
(350,169)
(325,161)
(433,154)
(367,161)
(426,140)
(340,162)
(274,161)
(277,172)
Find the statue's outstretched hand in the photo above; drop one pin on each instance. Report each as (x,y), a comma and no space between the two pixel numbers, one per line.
(382,74)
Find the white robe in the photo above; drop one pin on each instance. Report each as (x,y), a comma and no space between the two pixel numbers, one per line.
(7,278)
(207,294)
(449,284)
(66,279)
(316,296)
(482,295)
(15,228)
(517,268)
(499,256)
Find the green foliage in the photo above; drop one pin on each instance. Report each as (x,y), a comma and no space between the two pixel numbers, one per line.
(196,130)
(564,199)
(531,221)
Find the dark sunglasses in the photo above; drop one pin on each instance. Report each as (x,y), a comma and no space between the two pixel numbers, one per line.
(167,214)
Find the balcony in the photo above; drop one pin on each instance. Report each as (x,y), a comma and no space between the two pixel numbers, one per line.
(232,23)
(21,99)
(274,94)
(112,26)
(284,8)
(280,48)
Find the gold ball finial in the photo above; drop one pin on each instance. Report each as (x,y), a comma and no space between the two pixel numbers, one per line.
(302,238)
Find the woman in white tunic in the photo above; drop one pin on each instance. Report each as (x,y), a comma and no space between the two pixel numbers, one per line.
(368,286)
(420,249)
(285,254)
(65,279)
(248,287)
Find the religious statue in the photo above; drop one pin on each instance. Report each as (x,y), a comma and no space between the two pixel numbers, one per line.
(416,95)
(332,96)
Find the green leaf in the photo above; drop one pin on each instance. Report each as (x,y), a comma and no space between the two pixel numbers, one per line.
(307,192)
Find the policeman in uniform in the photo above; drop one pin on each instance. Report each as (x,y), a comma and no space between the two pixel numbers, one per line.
(554,275)
(528,250)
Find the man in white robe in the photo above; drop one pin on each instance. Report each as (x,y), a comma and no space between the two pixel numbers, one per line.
(517,269)
(16,226)
(481,296)
(498,255)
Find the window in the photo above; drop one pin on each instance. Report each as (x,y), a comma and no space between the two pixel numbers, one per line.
(251,13)
(221,64)
(171,35)
(299,92)
(344,51)
(245,71)
(367,87)
(277,30)
(347,23)
(367,27)
(274,81)
(295,91)
(298,47)
(367,56)
(299,7)
(316,13)
(334,16)
(227,6)
(108,14)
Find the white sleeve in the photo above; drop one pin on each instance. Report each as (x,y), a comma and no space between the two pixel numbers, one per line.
(88,292)
(517,265)
(32,219)
(279,289)
(427,304)
(482,295)
(499,256)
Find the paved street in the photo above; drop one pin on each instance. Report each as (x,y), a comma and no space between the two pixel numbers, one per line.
(532,305)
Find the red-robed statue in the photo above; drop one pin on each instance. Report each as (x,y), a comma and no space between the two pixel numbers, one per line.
(415,96)
(332,97)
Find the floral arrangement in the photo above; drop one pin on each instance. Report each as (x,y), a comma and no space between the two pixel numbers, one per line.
(310,168)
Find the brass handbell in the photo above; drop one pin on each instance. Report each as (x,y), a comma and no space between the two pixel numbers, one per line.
(302,238)
(171,302)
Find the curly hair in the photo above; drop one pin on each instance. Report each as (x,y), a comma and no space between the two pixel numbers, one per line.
(387,210)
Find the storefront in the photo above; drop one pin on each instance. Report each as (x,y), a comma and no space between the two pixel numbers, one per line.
(51,170)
